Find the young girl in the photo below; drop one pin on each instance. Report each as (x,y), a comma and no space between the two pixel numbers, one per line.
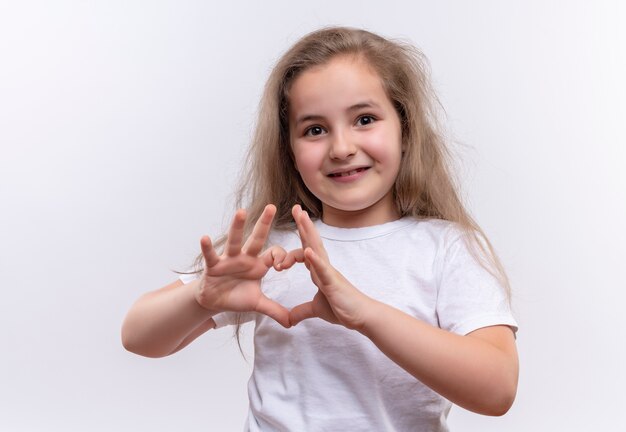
(377,300)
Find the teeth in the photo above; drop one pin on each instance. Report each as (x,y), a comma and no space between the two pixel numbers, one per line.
(347,173)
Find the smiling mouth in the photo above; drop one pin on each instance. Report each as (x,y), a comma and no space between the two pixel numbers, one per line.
(348,173)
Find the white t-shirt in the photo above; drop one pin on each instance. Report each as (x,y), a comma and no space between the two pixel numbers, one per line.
(323,377)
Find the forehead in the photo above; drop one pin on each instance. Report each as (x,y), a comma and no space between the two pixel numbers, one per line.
(335,86)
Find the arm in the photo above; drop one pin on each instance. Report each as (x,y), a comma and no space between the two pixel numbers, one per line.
(165,321)
(478,371)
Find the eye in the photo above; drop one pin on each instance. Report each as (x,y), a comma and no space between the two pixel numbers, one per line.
(314,131)
(365,120)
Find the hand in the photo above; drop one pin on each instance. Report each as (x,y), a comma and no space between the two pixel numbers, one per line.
(232,281)
(337,300)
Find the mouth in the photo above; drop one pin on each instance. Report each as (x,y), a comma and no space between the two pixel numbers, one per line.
(348,173)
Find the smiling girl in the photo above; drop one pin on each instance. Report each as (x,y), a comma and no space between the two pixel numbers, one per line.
(377,300)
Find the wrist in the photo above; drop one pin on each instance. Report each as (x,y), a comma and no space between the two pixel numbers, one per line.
(198,294)
(367,316)
(370,319)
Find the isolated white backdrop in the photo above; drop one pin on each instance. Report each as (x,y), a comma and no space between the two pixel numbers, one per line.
(122,126)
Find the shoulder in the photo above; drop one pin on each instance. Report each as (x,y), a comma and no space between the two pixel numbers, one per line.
(437,228)
(449,235)
(437,234)
(449,244)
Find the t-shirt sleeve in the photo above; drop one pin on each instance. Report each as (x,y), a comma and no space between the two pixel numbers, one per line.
(469,296)
(187,277)
(225,318)
(232,318)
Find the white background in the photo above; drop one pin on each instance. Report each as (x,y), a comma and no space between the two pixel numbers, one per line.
(122,125)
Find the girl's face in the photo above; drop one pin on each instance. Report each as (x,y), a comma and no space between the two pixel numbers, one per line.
(347,141)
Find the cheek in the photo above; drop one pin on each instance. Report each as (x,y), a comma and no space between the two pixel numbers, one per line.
(307,159)
(385,147)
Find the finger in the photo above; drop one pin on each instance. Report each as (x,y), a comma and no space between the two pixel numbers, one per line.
(235,233)
(313,238)
(308,233)
(322,269)
(309,236)
(291,257)
(261,229)
(297,214)
(278,313)
(273,256)
(210,256)
(301,312)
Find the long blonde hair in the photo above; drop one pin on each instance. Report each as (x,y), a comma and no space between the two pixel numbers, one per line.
(425,186)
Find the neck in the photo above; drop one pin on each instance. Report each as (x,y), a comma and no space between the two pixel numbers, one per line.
(358,218)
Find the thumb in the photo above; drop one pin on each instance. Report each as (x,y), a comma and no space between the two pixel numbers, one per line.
(208,251)
(277,312)
(301,312)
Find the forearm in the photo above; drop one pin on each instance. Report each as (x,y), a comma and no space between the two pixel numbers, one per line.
(163,321)
(466,370)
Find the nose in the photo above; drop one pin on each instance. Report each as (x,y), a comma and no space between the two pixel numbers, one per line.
(342,146)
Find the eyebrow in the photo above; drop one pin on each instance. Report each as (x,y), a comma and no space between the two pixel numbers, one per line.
(355,107)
